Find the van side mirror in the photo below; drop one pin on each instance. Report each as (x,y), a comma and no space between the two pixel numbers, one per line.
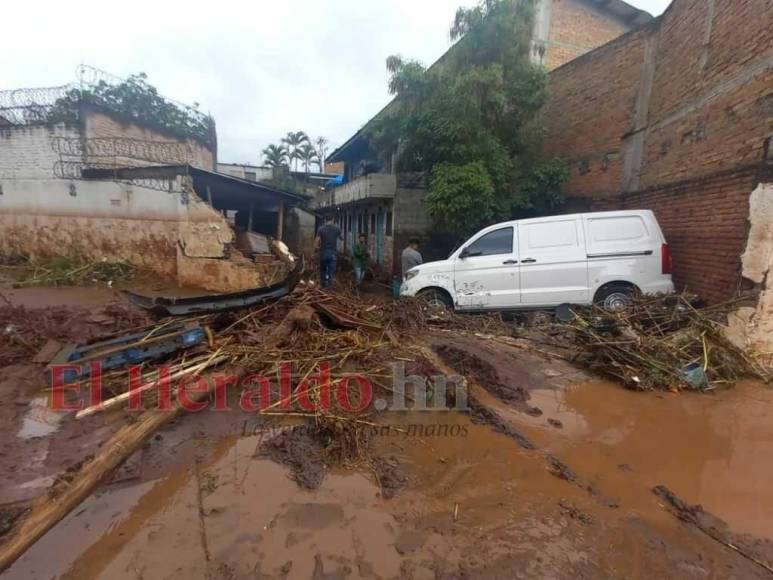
(464,253)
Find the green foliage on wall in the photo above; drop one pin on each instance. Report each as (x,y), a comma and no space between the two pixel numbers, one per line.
(137,99)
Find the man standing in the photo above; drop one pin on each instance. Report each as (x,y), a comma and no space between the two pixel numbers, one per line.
(411,256)
(359,255)
(327,245)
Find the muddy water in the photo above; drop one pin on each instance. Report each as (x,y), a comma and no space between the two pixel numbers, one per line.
(473,499)
(69,296)
(712,450)
(228,515)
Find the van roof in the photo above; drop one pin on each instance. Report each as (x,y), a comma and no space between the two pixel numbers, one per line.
(626,212)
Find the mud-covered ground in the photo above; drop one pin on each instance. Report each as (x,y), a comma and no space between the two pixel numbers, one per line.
(551,475)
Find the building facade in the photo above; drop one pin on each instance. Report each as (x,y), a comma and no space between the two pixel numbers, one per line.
(566,29)
(388,207)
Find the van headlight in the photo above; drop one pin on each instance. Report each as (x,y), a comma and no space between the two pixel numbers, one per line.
(411,274)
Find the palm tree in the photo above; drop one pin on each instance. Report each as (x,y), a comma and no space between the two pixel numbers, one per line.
(322,152)
(275,156)
(292,141)
(308,155)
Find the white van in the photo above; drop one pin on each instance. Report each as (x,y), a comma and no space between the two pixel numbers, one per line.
(601,257)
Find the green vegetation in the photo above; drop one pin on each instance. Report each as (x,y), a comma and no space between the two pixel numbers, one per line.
(137,99)
(296,146)
(275,156)
(469,121)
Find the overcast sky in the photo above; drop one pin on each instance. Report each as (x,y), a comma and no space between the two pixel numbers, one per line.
(262,68)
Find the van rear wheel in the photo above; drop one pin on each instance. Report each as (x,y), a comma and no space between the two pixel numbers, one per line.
(436,299)
(615,297)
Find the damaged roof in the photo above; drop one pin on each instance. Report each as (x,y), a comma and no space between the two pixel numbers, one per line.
(226,190)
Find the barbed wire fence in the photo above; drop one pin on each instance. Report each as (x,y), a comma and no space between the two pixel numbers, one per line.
(46,105)
(112,153)
(29,106)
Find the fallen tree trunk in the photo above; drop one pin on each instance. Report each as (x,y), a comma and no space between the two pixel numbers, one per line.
(47,511)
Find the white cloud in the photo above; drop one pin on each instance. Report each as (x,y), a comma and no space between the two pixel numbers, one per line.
(262,68)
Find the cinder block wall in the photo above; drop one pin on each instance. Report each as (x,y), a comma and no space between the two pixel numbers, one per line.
(676,117)
(27,153)
(412,220)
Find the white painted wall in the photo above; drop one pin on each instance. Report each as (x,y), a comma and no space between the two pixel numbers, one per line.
(26,152)
(241,171)
(103,199)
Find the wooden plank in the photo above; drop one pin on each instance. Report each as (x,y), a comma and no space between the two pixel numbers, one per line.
(47,511)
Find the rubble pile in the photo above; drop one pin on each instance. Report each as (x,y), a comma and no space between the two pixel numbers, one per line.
(662,343)
(25,331)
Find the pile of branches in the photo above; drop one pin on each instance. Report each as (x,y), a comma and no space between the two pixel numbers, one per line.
(662,343)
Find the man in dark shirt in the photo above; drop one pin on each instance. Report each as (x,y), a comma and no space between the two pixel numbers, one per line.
(327,244)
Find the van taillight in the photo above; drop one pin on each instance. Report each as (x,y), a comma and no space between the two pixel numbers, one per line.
(665,259)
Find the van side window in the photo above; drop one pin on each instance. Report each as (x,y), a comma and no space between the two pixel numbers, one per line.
(493,243)
(553,234)
(617,229)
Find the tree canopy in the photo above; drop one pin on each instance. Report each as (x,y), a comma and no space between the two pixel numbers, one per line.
(469,121)
(275,156)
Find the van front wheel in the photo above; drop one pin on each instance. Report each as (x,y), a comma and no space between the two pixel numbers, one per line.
(615,297)
(436,299)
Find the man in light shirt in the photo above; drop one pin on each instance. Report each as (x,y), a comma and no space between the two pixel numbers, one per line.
(411,256)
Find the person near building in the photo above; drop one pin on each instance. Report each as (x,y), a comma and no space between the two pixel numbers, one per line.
(411,256)
(359,258)
(326,243)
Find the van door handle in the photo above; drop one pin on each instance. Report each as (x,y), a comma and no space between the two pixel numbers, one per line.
(529,261)
(509,262)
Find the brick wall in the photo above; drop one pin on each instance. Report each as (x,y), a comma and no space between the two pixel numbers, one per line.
(705,221)
(100,124)
(575,28)
(589,110)
(674,117)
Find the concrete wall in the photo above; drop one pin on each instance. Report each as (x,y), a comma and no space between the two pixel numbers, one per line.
(411,220)
(173,234)
(300,231)
(676,117)
(250,172)
(27,153)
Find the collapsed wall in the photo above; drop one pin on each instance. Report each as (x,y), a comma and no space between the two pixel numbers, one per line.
(752,326)
(161,227)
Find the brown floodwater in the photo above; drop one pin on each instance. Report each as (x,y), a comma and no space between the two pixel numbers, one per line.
(257,521)
(67,296)
(472,497)
(710,449)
